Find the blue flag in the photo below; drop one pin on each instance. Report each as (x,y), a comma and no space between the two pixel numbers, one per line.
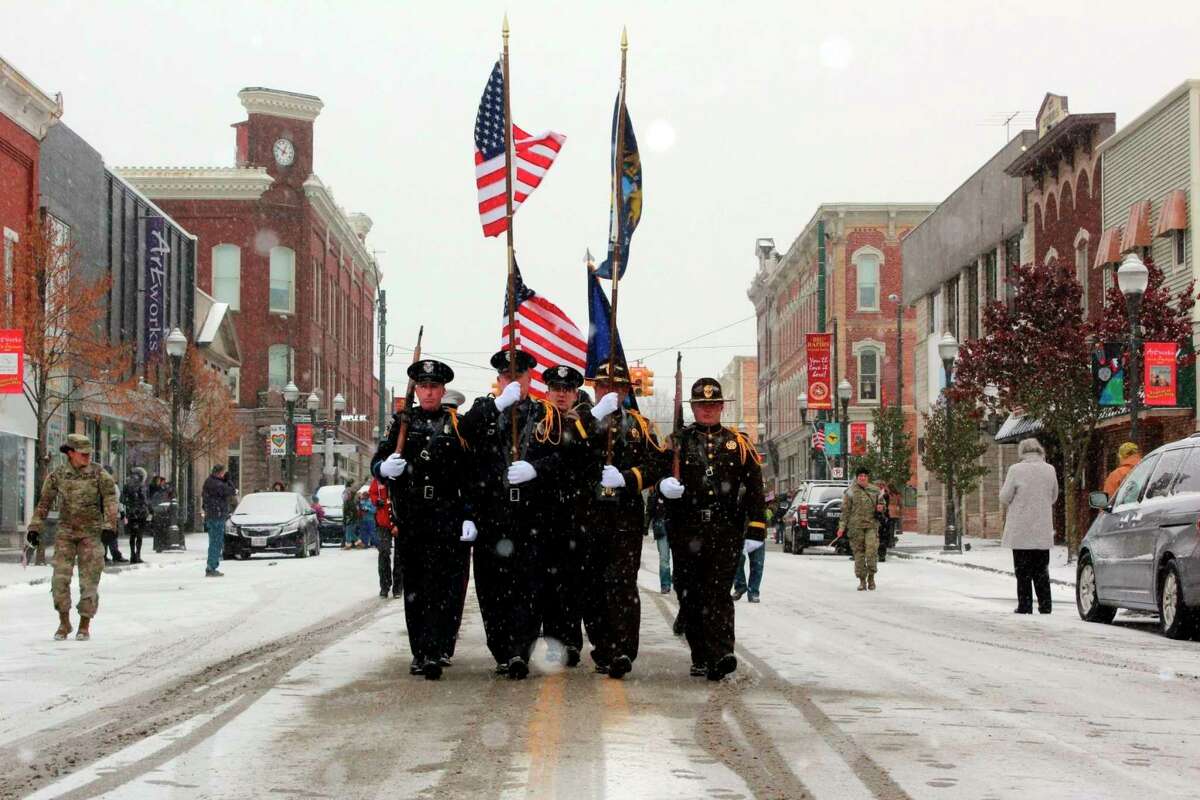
(630,165)
(599,319)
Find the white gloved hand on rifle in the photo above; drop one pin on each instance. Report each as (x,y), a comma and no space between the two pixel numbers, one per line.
(393,466)
(510,396)
(521,472)
(611,477)
(469,531)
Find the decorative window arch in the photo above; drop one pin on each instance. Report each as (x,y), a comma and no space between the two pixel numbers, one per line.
(869,355)
(868,264)
(227,275)
(1051,257)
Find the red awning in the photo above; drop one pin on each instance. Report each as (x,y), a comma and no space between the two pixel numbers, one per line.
(1109,249)
(1173,216)
(1137,229)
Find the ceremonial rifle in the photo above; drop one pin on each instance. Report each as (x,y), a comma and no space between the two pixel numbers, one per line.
(409,396)
(677,433)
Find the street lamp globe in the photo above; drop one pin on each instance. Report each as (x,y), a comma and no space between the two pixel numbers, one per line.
(948,348)
(144,387)
(1133,276)
(844,390)
(893,298)
(339,402)
(176,343)
(313,402)
(803,401)
(291,392)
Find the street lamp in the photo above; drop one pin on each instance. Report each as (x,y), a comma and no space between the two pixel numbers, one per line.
(291,393)
(176,344)
(899,349)
(1132,278)
(948,351)
(843,391)
(339,405)
(803,402)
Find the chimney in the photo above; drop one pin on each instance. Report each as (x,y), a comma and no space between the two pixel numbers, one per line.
(242,155)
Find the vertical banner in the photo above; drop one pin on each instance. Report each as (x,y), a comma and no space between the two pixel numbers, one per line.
(1160,377)
(12,360)
(833,439)
(278,440)
(156,252)
(1108,373)
(858,438)
(818,348)
(304,439)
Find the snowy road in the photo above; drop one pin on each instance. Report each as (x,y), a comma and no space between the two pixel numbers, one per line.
(290,680)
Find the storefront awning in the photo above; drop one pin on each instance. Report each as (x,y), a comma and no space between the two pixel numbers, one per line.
(1109,249)
(1173,216)
(1137,227)
(1018,427)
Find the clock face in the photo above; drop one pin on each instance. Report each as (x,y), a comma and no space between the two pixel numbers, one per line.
(284,152)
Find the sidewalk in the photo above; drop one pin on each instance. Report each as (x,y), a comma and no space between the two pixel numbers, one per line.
(13,574)
(985,554)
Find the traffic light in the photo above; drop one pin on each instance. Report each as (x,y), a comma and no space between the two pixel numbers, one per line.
(647,381)
(636,376)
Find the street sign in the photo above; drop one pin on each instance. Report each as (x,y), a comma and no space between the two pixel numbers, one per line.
(837,473)
(354,417)
(339,449)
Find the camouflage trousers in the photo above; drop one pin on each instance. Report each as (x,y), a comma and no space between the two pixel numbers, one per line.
(864,543)
(86,550)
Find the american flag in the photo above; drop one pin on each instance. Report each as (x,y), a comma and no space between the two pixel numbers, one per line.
(818,437)
(534,155)
(546,333)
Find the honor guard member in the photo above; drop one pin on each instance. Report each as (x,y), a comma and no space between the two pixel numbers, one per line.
(87,510)
(455,399)
(425,483)
(616,522)
(860,503)
(716,511)
(514,500)
(566,551)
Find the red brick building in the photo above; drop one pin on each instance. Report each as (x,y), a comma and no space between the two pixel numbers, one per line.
(295,271)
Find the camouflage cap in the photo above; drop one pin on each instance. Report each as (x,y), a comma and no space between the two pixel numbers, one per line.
(77,442)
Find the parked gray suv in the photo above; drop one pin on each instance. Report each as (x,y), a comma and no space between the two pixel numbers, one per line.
(1143,550)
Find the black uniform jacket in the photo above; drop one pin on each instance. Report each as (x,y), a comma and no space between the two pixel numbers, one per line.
(439,465)
(722,477)
(637,453)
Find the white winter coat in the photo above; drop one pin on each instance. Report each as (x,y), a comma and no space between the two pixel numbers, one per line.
(1029,491)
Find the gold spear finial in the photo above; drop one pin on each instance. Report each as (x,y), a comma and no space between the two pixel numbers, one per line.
(624,39)
(505,29)
(587,259)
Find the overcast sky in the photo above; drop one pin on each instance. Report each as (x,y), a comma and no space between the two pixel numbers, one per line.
(748,115)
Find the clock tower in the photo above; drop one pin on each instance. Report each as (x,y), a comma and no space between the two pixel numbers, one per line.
(278,135)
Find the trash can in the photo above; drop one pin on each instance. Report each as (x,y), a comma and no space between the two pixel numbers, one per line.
(160,529)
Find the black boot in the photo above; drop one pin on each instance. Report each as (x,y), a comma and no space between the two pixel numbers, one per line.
(620,667)
(722,667)
(518,670)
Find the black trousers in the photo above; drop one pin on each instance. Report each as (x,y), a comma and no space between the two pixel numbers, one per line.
(612,610)
(507,585)
(135,530)
(705,561)
(432,574)
(459,603)
(1033,574)
(390,573)
(561,599)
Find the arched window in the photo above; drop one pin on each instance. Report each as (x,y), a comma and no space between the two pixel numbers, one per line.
(867,261)
(279,359)
(283,280)
(868,375)
(1082,263)
(227,275)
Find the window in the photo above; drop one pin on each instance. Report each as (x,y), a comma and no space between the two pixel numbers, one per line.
(1164,476)
(1189,473)
(950,293)
(283,279)
(234,381)
(10,254)
(990,278)
(931,313)
(866,262)
(868,375)
(1081,268)
(227,275)
(279,362)
(973,301)
(1131,489)
(1180,253)
(316,290)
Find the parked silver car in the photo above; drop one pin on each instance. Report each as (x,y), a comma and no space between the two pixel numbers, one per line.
(1143,550)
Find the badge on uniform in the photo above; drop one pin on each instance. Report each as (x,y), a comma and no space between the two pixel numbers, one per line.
(731,445)
(633,433)
(427,367)
(425,455)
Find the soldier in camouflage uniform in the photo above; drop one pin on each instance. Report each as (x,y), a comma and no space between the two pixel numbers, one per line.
(860,504)
(87,498)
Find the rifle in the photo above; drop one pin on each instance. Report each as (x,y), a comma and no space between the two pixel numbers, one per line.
(409,396)
(677,432)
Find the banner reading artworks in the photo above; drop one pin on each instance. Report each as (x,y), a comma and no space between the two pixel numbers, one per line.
(818,347)
(156,252)
(12,360)
(304,440)
(1160,376)
(278,440)
(858,438)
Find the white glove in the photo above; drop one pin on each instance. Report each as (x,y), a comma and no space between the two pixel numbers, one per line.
(469,531)
(606,405)
(671,488)
(393,466)
(510,396)
(751,545)
(611,477)
(521,472)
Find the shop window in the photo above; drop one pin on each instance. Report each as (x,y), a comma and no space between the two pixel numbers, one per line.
(227,275)
(283,280)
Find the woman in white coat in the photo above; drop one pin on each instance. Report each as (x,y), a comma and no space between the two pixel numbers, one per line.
(1028,495)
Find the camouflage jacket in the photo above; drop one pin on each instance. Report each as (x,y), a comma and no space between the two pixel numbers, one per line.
(858,507)
(87,500)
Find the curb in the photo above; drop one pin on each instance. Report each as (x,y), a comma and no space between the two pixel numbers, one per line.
(965,565)
(109,569)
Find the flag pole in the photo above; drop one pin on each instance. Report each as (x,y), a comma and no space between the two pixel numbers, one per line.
(508,206)
(618,218)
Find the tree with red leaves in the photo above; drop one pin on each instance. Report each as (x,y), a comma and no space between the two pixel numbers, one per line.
(1163,317)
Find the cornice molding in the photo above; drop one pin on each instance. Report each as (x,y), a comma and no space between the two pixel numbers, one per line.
(278,103)
(198,183)
(320,198)
(25,104)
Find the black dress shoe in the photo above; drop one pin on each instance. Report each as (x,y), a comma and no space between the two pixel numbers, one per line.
(737,594)
(383,594)
(502,669)
(620,667)
(518,670)
(602,669)
(1045,610)
(432,670)
(677,626)
(572,656)
(722,667)
(445,661)
(698,671)
(1019,610)
(414,668)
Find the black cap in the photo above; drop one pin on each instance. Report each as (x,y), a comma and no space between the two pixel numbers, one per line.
(707,390)
(562,376)
(619,374)
(525,362)
(430,371)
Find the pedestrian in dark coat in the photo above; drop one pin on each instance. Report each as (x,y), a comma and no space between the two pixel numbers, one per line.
(217,501)
(137,511)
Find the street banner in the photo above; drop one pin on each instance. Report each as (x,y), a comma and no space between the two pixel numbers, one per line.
(1108,373)
(818,348)
(304,440)
(156,251)
(833,438)
(858,438)
(278,440)
(1160,377)
(12,360)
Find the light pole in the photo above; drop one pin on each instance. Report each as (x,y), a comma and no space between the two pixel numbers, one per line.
(803,401)
(899,350)
(1132,277)
(948,350)
(312,403)
(339,405)
(843,391)
(176,344)
(291,393)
